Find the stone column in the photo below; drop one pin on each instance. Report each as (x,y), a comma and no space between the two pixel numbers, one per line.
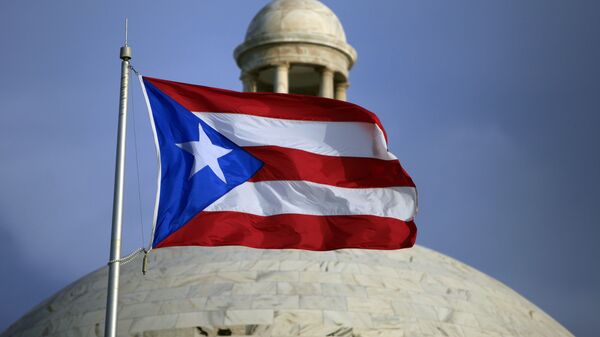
(340,90)
(326,88)
(249,81)
(280,83)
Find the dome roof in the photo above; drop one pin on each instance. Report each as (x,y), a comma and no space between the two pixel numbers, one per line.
(197,291)
(291,17)
(304,21)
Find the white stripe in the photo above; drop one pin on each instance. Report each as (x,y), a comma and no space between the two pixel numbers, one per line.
(301,197)
(159,166)
(350,139)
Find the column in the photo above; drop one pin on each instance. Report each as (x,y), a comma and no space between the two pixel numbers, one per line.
(280,83)
(340,90)
(326,88)
(249,81)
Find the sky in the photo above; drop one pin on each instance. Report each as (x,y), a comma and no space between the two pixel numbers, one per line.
(493,107)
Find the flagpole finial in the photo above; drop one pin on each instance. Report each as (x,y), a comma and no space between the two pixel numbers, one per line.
(125,54)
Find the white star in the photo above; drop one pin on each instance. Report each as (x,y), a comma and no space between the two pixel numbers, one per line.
(205,154)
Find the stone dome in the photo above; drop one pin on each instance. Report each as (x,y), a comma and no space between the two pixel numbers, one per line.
(237,291)
(300,21)
(286,18)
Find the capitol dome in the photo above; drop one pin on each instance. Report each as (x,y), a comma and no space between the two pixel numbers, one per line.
(237,291)
(296,20)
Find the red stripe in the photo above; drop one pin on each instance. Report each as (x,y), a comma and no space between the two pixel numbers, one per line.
(293,231)
(198,98)
(353,172)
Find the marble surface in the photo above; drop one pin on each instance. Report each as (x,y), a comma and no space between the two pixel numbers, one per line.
(238,291)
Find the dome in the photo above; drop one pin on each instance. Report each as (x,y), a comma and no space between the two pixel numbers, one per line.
(296,21)
(290,18)
(237,291)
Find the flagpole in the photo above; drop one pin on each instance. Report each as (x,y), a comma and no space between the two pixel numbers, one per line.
(110,327)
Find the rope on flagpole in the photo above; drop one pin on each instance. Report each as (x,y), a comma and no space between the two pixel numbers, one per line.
(158,176)
(137,166)
(130,257)
(147,250)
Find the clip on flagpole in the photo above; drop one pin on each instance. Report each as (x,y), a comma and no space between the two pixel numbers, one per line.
(110,328)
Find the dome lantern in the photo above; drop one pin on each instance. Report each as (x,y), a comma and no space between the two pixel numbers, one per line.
(296,46)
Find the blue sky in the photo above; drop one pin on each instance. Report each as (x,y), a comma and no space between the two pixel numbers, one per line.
(492,107)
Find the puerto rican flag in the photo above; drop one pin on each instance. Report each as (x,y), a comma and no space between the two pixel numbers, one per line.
(270,170)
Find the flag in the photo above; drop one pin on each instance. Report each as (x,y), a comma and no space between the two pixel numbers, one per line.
(270,170)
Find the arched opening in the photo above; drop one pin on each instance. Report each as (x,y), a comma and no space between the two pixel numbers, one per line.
(265,79)
(304,79)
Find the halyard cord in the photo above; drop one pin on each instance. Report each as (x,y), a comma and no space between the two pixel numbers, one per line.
(158,175)
(132,68)
(157,155)
(130,257)
(137,166)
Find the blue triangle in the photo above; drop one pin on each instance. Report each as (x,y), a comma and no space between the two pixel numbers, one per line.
(182,198)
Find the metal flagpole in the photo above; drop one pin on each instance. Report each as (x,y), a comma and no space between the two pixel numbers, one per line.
(110,327)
